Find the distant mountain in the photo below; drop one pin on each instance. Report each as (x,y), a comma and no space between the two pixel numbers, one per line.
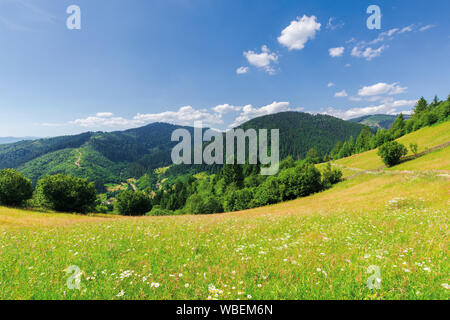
(112,157)
(377,121)
(4,140)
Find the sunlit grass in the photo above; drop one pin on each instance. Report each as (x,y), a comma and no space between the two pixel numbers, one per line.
(318,247)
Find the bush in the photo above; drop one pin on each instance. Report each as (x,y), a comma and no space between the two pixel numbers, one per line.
(196,204)
(131,203)
(392,152)
(238,200)
(15,189)
(267,193)
(300,181)
(66,193)
(331,176)
(158,211)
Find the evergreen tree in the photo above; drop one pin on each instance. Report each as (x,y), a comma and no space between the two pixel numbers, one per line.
(233,174)
(421,106)
(363,141)
(398,127)
(312,156)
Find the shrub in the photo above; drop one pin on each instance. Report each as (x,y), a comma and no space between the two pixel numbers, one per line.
(197,204)
(331,176)
(300,181)
(15,189)
(100,208)
(238,200)
(66,193)
(158,211)
(131,203)
(392,152)
(267,193)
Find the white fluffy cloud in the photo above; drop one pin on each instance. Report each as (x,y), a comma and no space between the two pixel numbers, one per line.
(367,53)
(104,121)
(299,32)
(341,94)
(186,115)
(249,112)
(263,60)
(336,52)
(104,114)
(385,108)
(381,88)
(331,84)
(226,108)
(241,70)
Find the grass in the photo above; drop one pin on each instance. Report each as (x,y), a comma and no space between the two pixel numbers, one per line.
(425,138)
(319,247)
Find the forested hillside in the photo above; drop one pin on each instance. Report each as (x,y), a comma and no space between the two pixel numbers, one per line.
(299,132)
(116,156)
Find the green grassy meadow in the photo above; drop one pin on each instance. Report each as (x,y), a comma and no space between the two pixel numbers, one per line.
(325,246)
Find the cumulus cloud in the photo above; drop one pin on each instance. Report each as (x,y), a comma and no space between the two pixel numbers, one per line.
(262,60)
(367,53)
(341,94)
(299,31)
(104,114)
(101,121)
(336,52)
(385,108)
(186,115)
(331,84)
(249,112)
(381,88)
(226,108)
(242,70)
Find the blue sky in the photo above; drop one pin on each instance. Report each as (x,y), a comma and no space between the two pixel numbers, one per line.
(219,61)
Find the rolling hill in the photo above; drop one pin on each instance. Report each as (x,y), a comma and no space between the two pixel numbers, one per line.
(112,157)
(393,222)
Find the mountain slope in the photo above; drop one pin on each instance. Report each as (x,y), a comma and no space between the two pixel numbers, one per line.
(377,121)
(300,131)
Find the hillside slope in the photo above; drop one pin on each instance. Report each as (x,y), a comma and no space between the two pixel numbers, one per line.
(318,247)
(300,131)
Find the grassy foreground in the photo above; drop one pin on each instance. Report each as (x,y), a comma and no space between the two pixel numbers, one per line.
(390,225)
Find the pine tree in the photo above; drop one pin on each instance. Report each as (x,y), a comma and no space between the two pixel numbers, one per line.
(421,106)
(363,141)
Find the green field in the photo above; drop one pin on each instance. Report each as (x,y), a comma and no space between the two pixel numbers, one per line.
(320,247)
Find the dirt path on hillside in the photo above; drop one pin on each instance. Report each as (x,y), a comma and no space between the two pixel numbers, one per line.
(77,163)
